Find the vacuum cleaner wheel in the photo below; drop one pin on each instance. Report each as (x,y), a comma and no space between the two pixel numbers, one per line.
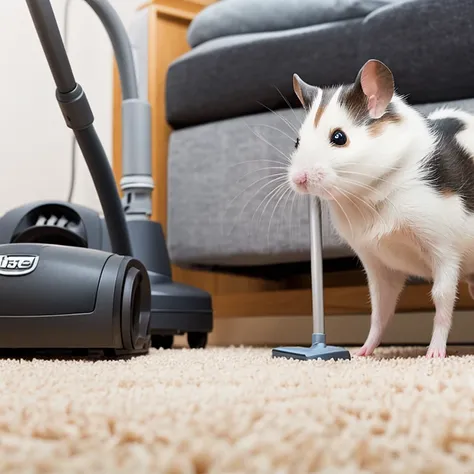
(197,340)
(160,341)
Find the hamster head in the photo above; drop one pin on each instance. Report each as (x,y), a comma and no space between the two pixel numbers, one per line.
(349,136)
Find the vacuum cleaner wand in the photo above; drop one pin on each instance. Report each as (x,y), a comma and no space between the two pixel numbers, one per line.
(79,117)
(318,349)
(136,182)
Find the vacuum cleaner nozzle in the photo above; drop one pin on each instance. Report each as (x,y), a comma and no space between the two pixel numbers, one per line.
(317,350)
(73,298)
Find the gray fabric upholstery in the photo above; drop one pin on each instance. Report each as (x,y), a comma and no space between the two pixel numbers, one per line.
(234,17)
(229,76)
(218,216)
(211,169)
(427,43)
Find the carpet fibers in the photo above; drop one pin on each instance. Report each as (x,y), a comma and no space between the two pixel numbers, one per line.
(236,410)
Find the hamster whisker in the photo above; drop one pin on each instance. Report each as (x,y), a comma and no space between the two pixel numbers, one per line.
(287,158)
(285,213)
(342,209)
(374,178)
(264,169)
(371,189)
(296,197)
(271,195)
(345,194)
(273,181)
(276,177)
(287,102)
(385,168)
(277,129)
(365,186)
(266,199)
(301,198)
(362,185)
(368,204)
(280,117)
(287,191)
(256,161)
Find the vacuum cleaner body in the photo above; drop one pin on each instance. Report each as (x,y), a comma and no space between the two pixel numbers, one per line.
(58,297)
(71,279)
(174,308)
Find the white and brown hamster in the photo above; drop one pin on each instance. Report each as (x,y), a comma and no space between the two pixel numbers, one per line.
(400,189)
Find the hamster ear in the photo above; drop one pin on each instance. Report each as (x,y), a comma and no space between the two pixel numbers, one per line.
(376,82)
(305,92)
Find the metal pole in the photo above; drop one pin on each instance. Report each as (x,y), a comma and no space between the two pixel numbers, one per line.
(318,349)
(317,285)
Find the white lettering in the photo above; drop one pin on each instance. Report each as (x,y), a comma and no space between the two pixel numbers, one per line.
(15,265)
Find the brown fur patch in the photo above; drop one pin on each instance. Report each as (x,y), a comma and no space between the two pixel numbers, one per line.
(355,102)
(319,114)
(407,233)
(447,193)
(377,127)
(325,99)
(298,91)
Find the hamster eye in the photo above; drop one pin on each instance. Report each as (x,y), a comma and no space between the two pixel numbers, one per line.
(338,138)
(297,142)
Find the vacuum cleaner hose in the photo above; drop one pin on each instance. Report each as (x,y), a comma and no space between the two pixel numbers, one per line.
(78,116)
(51,41)
(121,45)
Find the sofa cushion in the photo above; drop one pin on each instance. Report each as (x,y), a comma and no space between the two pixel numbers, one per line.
(229,76)
(234,17)
(427,43)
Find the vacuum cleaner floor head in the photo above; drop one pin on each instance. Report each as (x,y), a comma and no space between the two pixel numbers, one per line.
(318,351)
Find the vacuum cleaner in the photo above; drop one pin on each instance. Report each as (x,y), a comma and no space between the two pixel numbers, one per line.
(71,279)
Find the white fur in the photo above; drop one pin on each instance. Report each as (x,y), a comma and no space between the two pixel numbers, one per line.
(398,226)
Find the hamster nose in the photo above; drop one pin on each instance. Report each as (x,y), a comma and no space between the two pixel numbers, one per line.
(300,178)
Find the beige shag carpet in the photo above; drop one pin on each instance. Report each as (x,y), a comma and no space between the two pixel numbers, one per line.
(235,410)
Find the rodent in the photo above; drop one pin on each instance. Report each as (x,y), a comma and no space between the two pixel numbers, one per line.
(400,189)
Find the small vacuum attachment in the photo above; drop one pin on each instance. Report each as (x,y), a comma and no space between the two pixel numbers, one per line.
(318,348)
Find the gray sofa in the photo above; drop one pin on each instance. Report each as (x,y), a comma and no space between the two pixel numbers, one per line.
(225,138)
